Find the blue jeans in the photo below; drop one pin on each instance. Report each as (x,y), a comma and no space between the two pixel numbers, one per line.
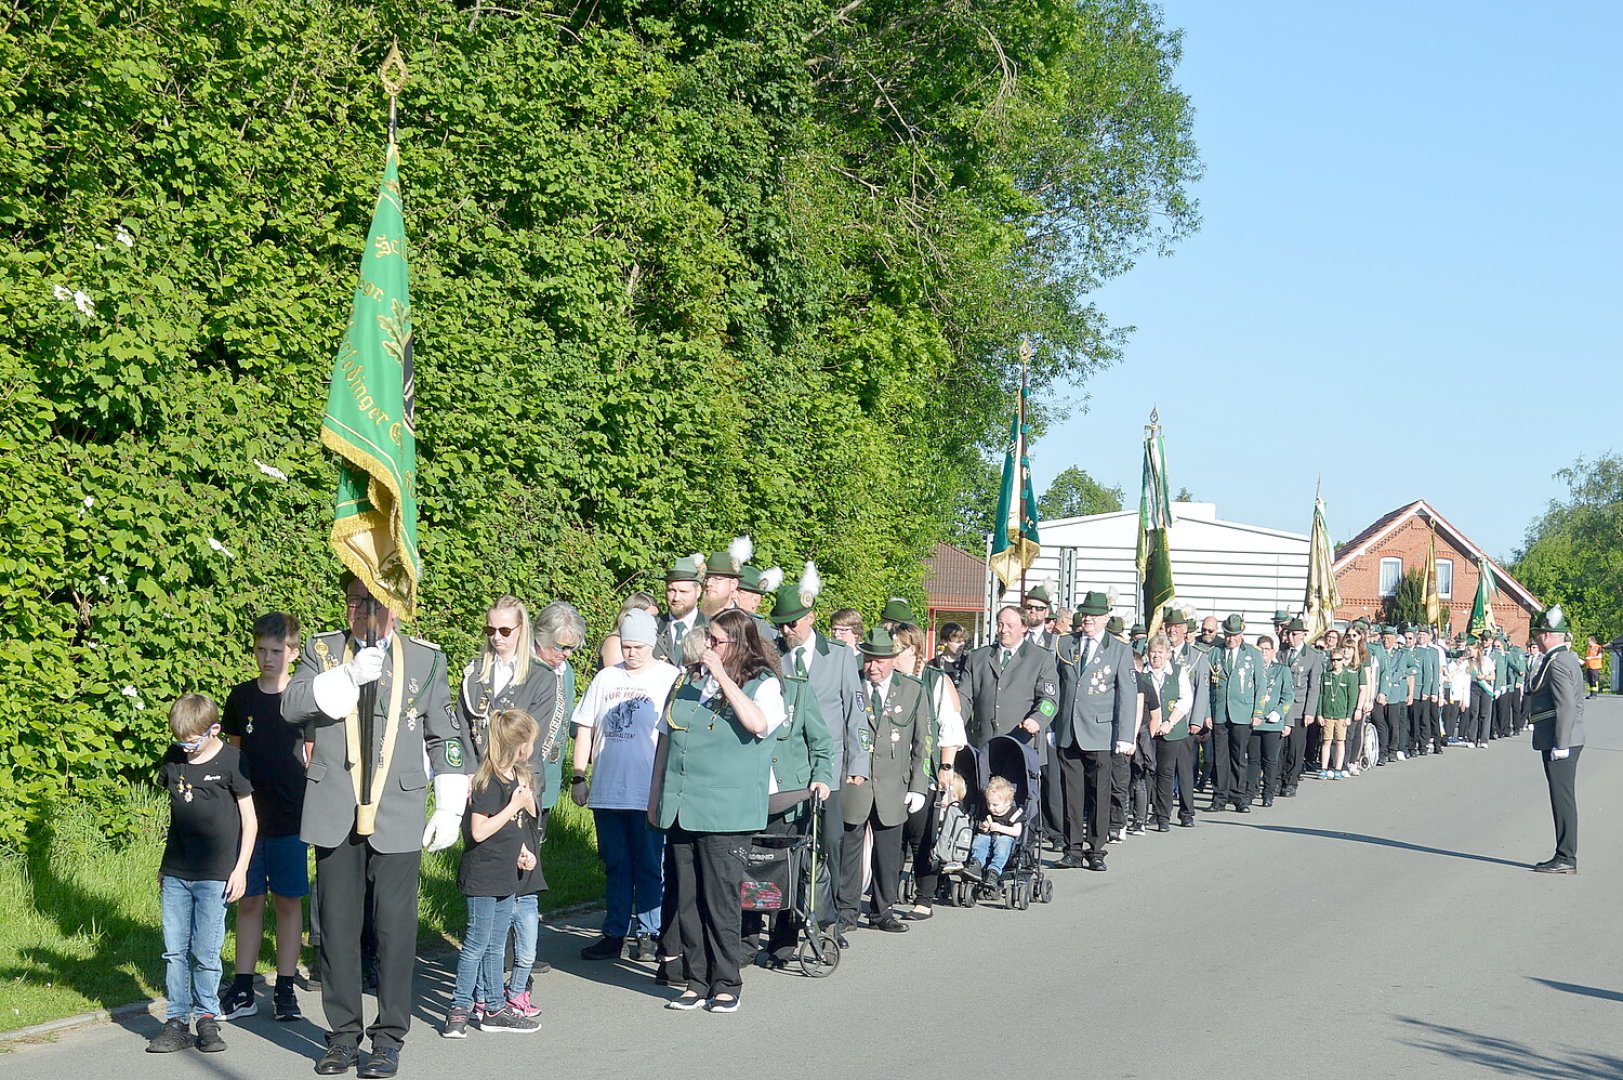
(991,851)
(633,867)
(526,928)
(193,929)
(479,967)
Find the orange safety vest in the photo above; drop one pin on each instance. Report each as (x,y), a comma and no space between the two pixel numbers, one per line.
(1592,658)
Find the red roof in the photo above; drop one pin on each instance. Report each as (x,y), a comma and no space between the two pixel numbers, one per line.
(1386,523)
(954,580)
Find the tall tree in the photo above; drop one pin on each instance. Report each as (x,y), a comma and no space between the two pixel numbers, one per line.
(1073,493)
(1573,554)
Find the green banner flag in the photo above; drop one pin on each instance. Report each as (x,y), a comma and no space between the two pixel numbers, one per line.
(1482,611)
(370,422)
(1154,558)
(1322,598)
(1014,544)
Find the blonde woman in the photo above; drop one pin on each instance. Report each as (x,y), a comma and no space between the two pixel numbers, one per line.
(947,737)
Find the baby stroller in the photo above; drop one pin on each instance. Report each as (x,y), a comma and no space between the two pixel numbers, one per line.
(790,872)
(1023,879)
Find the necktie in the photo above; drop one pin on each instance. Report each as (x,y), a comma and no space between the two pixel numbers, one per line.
(877,702)
(800,661)
(1087,650)
(1004,662)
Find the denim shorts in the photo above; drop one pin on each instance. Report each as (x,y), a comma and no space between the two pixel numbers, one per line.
(282,862)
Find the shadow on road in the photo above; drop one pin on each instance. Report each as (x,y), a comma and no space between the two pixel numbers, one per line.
(1509,1056)
(1380,841)
(1585,991)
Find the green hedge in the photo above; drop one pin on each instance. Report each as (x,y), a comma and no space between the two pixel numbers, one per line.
(680,270)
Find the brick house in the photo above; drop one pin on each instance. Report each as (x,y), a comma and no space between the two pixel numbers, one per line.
(1369,566)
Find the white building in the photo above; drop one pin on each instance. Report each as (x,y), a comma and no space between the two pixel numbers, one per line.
(1218,567)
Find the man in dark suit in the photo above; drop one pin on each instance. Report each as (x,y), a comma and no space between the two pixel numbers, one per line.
(835,679)
(1098,711)
(1558,733)
(1009,687)
(683,583)
(1307,669)
(1037,613)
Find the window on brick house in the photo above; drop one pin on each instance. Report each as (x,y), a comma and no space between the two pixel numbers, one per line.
(1391,574)
(1445,578)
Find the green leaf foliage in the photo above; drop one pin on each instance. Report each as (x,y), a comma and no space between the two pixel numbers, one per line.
(1573,554)
(680,270)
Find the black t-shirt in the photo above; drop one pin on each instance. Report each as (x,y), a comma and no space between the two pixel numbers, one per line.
(532,881)
(205,825)
(1146,686)
(490,867)
(272,756)
(1014,817)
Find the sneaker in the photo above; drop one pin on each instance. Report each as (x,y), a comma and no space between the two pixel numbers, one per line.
(175,1035)
(604,948)
(1137,829)
(456,1024)
(286,1003)
(208,1035)
(237,1002)
(973,870)
(994,880)
(522,1005)
(687,1002)
(1118,836)
(647,949)
(1402,756)
(952,867)
(722,1005)
(510,1019)
(477,1013)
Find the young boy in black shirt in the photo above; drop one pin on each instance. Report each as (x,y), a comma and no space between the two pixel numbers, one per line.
(273,757)
(204,867)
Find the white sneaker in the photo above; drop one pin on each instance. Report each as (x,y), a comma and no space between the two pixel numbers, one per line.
(1402,756)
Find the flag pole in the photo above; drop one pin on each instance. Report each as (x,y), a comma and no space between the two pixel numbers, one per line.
(1020,458)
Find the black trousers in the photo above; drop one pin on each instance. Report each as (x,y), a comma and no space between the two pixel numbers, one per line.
(1263,765)
(1218,747)
(1392,726)
(1524,705)
(344,872)
(1292,753)
(1053,798)
(1204,756)
(918,847)
(1562,777)
(1140,780)
(1501,716)
(1173,762)
(1479,726)
(1086,775)
(1121,774)
(1237,744)
(887,868)
(1451,720)
(709,875)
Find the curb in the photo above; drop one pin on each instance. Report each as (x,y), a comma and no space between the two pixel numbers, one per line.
(135,1008)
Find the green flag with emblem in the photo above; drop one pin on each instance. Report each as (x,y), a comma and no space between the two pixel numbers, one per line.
(1014,543)
(370,422)
(1482,611)
(1154,530)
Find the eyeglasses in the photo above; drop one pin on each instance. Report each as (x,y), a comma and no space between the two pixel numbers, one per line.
(1036,607)
(353,602)
(504,631)
(566,649)
(714,640)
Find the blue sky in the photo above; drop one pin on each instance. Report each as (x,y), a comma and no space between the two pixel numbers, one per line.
(1407,279)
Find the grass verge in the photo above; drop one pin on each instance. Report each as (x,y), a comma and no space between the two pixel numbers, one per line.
(79,918)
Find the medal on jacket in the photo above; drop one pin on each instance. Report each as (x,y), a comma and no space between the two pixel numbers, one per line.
(324,654)
(411,718)
(248,726)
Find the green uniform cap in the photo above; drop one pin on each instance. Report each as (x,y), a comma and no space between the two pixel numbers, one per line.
(687,568)
(1094,603)
(1040,595)
(898,610)
(1552,620)
(1234,624)
(878,643)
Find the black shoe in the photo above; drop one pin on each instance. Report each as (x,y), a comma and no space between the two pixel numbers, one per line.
(381,1063)
(1096,861)
(1217,807)
(236,1003)
(1268,800)
(1186,823)
(1070,862)
(208,1035)
(972,870)
(286,1003)
(1161,826)
(840,939)
(1241,808)
(339,1058)
(175,1035)
(604,948)
(1289,793)
(890,924)
(1557,866)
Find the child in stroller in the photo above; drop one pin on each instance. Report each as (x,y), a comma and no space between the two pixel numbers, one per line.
(1000,825)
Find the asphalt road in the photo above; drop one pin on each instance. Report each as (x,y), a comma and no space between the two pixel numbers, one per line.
(1383,926)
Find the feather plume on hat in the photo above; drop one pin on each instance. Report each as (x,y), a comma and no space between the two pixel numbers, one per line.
(811,583)
(740,551)
(1110,594)
(698,563)
(771,579)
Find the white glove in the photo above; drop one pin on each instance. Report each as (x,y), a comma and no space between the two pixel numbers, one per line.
(1559,755)
(914,801)
(367,667)
(445,824)
(1273,717)
(1124,748)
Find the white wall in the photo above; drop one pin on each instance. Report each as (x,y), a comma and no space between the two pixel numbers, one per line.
(1219,567)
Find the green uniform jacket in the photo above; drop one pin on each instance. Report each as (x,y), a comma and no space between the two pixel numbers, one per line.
(1278,690)
(1237,685)
(802,749)
(897,740)
(1396,668)
(1339,695)
(716,771)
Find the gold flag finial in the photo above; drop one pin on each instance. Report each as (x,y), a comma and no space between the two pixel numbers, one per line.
(393,72)
(1025,350)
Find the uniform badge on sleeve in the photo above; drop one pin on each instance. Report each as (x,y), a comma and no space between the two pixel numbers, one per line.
(453,753)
